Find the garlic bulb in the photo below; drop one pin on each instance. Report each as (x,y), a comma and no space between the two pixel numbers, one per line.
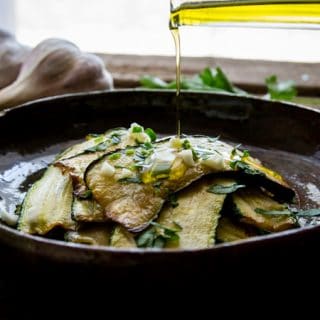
(55,67)
(12,55)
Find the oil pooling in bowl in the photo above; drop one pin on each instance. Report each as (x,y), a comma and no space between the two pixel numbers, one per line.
(251,13)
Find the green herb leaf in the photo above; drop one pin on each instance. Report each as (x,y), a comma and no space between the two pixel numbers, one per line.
(151,134)
(195,83)
(147,145)
(208,80)
(245,154)
(168,233)
(147,238)
(186,144)
(157,236)
(137,129)
(114,156)
(142,154)
(153,83)
(284,212)
(99,147)
(118,166)
(93,136)
(240,165)
(157,184)
(18,209)
(131,180)
(130,152)
(173,200)
(280,90)
(159,242)
(115,138)
(213,140)
(308,213)
(293,212)
(204,154)
(85,194)
(235,150)
(221,189)
(215,78)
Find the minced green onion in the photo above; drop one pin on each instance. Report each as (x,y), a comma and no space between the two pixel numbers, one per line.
(130,152)
(151,134)
(114,156)
(137,129)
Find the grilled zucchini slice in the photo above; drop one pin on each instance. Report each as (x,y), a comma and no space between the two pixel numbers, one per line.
(197,213)
(87,211)
(131,185)
(76,160)
(121,238)
(93,143)
(96,234)
(229,230)
(247,201)
(48,204)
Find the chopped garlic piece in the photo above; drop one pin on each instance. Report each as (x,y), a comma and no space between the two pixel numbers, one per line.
(187,157)
(140,137)
(164,155)
(107,169)
(215,162)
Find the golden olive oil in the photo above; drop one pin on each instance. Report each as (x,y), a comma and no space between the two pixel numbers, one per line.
(286,13)
(176,37)
(261,13)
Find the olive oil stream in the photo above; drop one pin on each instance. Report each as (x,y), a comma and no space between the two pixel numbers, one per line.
(176,37)
(259,13)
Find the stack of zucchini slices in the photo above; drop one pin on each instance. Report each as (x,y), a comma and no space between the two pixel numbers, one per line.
(127,189)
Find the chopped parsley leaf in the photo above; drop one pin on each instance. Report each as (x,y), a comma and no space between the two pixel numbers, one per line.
(222,189)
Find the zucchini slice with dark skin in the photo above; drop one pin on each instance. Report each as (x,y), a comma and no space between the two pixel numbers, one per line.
(96,141)
(93,234)
(247,201)
(121,238)
(113,140)
(229,230)
(55,191)
(112,179)
(87,211)
(133,184)
(197,213)
(77,164)
(47,204)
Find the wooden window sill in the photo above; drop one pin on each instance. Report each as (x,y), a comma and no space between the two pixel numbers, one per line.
(247,74)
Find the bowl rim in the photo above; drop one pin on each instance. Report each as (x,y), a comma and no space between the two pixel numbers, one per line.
(260,239)
(165,91)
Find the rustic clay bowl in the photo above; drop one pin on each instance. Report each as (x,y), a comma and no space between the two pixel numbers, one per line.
(284,136)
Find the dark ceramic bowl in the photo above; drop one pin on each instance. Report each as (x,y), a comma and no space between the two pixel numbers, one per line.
(284,136)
